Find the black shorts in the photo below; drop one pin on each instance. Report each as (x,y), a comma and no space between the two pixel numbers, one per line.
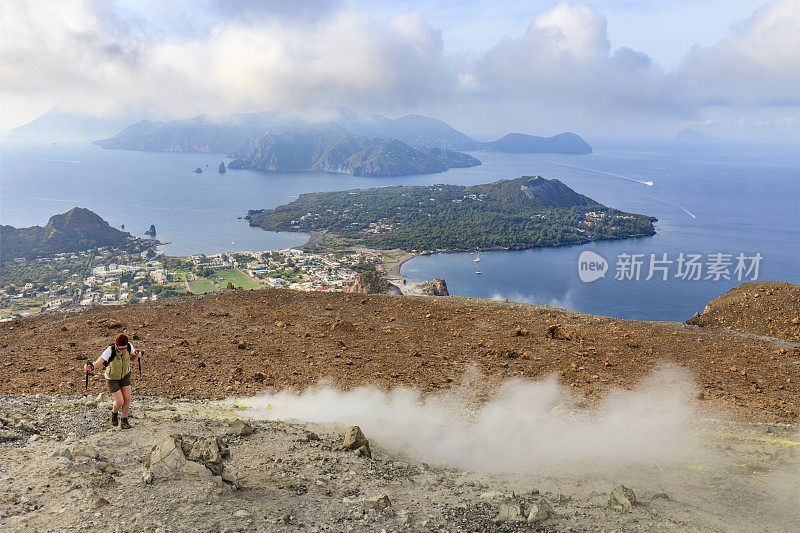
(116,384)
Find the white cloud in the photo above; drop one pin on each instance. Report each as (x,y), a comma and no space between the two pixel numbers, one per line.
(87,57)
(562,73)
(565,57)
(759,64)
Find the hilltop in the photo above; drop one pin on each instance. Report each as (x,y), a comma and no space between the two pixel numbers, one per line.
(76,230)
(521,213)
(240,342)
(768,308)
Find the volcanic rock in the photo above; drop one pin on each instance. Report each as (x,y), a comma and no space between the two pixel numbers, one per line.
(622,497)
(510,512)
(434,287)
(377,503)
(354,439)
(187,456)
(539,512)
(240,428)
(557,332)
(343,326)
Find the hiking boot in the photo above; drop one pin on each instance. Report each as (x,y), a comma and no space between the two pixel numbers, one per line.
(114,420)
(124,424)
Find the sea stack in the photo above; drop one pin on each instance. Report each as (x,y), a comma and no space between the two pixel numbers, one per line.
(222,168)
(151,231)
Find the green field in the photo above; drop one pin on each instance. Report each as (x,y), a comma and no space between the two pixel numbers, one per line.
(237,278)
(32,307)
(199,286)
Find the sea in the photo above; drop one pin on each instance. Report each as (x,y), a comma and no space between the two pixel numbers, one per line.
(727,213)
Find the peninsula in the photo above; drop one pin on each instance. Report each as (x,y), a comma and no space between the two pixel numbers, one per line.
(526,212)
(76,230)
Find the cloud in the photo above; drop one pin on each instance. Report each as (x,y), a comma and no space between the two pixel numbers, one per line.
(757,65)
(565,57)
(172,58)
(95,59)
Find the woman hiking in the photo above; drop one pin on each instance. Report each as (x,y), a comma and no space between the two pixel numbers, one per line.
(117,359)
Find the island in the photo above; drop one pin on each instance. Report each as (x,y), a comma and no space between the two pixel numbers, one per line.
(246,132)
(563,143)
(526,212)
(334,149)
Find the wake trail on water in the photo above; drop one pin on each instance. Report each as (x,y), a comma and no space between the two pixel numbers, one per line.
(57,161)
(42,198)
(673,205)
(626,178)
(603,172)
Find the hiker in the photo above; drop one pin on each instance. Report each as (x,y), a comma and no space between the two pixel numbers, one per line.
(117,359)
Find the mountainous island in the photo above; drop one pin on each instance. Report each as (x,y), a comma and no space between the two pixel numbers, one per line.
(564,143)
(509,214)
(334,149)
(55,122)
(76,230)
(373,146)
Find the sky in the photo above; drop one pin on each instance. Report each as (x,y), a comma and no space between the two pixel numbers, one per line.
(613,68)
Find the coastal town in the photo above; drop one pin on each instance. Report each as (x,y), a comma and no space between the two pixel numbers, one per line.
(111,276)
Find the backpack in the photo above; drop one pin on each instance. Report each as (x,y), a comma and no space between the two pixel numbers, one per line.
(114,353)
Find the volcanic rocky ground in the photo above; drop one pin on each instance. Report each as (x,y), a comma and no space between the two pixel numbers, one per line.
(240,342)
(191,464)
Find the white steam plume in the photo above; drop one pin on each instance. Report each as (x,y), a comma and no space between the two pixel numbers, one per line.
(524,426)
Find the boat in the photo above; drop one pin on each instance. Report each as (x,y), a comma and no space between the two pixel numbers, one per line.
(477,259)
(478,272)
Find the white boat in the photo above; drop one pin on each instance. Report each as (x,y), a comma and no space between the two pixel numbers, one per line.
(477,259)
(478,272)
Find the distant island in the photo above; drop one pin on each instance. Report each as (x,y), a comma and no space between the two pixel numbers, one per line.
(76,230)
(521,213)
(564,143)
(334,149)
(690,136)
(55,122)
(374,146)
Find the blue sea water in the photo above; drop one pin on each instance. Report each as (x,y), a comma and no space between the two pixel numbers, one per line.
(719,199)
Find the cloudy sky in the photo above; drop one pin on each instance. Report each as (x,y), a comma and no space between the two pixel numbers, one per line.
(611,68)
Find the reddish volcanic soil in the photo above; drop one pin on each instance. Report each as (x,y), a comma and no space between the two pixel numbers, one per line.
(239,342)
